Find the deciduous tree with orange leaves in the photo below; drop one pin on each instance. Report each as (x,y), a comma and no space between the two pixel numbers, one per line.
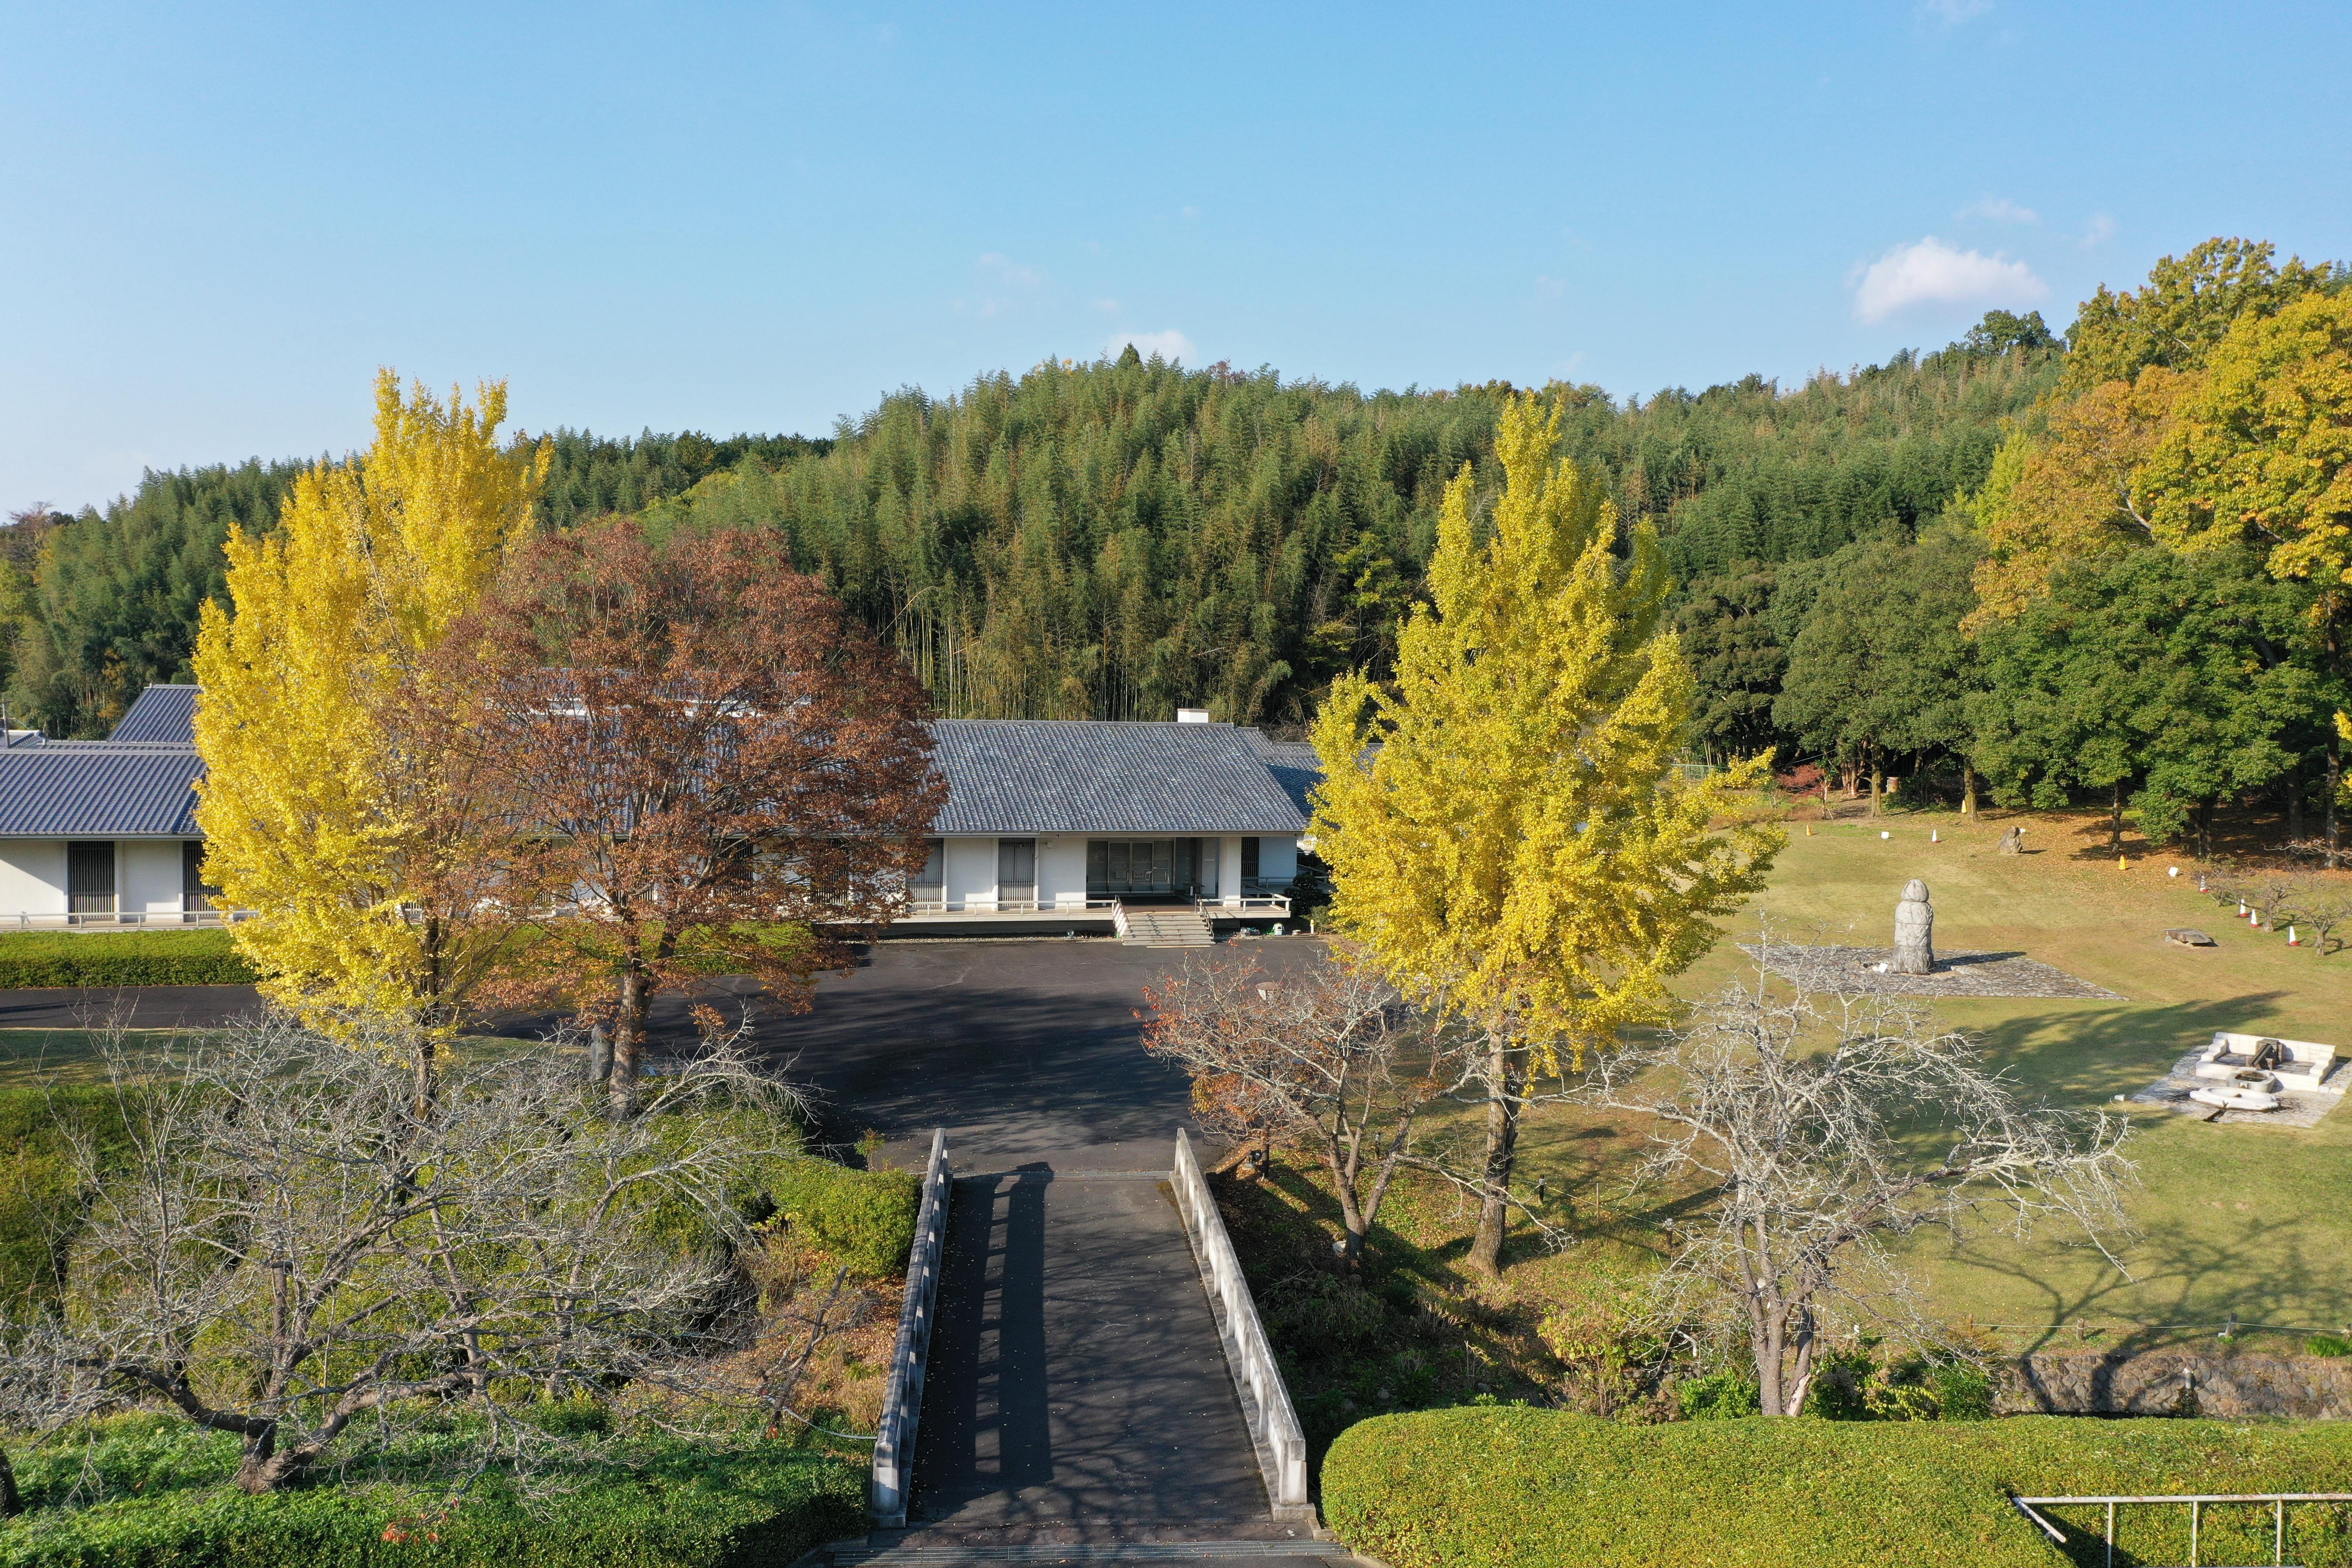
(711,767)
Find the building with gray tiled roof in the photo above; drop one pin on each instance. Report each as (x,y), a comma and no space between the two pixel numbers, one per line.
(1041,816)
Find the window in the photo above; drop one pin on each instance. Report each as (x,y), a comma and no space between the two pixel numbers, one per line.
(89,878)
(1016,869)
(934,874)
(1249,864)
(195,893)
(1120,867)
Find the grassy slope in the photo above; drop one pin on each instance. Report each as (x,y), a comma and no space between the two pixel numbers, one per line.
(2243,1219)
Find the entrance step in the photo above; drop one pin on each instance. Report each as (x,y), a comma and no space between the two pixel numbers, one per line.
(1172,927)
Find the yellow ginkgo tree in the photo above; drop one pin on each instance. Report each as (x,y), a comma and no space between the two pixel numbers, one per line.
(1507,834)
(364,859)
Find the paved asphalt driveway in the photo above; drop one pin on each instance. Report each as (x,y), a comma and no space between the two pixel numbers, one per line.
(1019,1046)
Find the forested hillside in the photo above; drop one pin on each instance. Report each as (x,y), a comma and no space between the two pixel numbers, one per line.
(1935,567)
(1117,539)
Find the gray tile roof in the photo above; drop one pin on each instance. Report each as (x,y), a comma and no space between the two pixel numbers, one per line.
(99,789)
(1062,775)
(1293,764)
(166,713)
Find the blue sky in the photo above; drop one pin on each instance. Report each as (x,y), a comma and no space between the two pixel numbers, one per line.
(221,219)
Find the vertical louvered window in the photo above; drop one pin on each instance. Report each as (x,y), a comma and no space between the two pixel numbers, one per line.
(1016,870)
(195,893)
(89,878)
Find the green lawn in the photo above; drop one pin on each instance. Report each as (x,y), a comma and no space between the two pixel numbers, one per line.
(2248,1220)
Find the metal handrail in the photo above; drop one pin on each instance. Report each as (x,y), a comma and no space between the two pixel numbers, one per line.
(2195,1502)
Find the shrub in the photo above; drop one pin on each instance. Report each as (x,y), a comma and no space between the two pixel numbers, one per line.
(863,1220)
(668,1505)
(41,1202)
(1718,1396)
(40,959)
(1532,1489)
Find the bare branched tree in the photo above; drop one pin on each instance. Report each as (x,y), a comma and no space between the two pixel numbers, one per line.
(1825,1128)
(1328,1057)
(296,1252)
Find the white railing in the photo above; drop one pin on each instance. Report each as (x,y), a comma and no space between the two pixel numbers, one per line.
(125,920)
(1262,903)
(942,906)
(1274,1425)
(902,1396)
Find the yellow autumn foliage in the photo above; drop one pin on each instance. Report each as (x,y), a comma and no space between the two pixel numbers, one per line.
(1507,831)
(311,816)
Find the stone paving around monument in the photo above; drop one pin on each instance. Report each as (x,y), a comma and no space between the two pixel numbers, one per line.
(1855,970)
(2296,1108)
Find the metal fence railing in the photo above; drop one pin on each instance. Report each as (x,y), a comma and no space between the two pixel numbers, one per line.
(1274,1424)
(2196,1502)
(121,920)
(902,1395)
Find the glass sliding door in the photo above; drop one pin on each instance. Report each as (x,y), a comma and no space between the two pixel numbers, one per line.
(1142,867)
(1016,873)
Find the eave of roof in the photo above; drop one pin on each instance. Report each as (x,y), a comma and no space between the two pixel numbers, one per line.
(99,789)
(1063,776)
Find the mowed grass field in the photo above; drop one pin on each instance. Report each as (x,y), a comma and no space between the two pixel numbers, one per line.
(2243,1221)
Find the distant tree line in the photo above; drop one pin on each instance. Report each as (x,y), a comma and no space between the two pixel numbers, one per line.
(1948,568)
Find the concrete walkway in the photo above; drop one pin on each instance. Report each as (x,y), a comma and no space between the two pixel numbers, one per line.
(1076,1376)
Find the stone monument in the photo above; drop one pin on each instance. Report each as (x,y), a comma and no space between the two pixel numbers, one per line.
(1915,931)
(2013,842)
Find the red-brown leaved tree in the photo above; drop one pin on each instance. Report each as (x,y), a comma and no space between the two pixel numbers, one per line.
(712,766)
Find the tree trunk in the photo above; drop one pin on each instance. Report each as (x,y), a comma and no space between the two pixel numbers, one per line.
(637,1003)
(11,1504)
(1877,782)
(2116,817)
(2205,830)
(428,1074)
(2293,808)
(1967,787)
(2335,788)
(262,1468)
(1506,1081)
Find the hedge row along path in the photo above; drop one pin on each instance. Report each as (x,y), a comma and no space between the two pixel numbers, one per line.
(1077,1396)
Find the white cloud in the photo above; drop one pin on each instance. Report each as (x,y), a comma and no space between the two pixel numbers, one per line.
(1550,288)
(1932,273)
(1005,285)
(2098,231)
(2000,209)
(1170,345)
(1008,270)
(1952,13)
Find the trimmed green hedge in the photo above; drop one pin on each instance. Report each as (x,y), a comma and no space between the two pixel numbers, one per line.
(38,958)
(1470,1487)
(681,1507)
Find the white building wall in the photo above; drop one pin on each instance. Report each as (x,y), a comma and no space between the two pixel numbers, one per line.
(1277,860)
(970,874)
(32,876)
(1062,871)
(1228,884)
(147,875)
